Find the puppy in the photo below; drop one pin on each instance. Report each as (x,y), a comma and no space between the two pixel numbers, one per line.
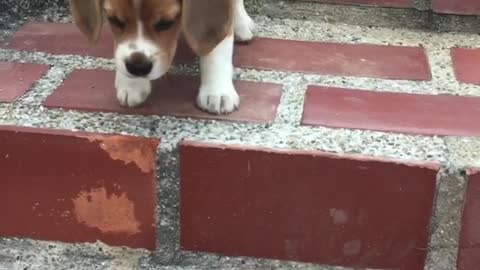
(146,34)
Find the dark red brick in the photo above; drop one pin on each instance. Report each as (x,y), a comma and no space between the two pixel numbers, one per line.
(17,79)
(392,112)
(77,187)
(305,206)
(469,250)
(464,7)
(466,63)
(65,39)
(359,60)
(383,3)
(93,90)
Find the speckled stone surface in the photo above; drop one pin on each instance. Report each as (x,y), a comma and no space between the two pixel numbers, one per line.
(454,154)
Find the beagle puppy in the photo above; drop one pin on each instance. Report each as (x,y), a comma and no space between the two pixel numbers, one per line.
(146,33)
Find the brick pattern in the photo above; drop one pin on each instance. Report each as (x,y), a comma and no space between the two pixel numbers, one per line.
(466,63)
(77,187)
(382,3)
(305,206)
(469,250)
(173,96)
(275,204)
(16,79)
(463,7)
(389,62)
(392,112)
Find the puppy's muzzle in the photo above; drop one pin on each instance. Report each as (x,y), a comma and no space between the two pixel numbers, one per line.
(138,65)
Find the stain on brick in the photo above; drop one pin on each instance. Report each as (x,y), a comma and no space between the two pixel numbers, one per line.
(75,187)
(110,213)
(129,151)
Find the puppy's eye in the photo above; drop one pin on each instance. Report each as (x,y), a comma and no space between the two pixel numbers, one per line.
(163,25)
(117,22)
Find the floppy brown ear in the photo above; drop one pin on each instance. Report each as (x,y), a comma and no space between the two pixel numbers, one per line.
(88,17)
(206,23)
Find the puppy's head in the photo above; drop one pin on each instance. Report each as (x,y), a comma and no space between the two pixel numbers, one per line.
(146,31)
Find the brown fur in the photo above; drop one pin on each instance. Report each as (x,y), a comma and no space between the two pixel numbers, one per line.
(205,23)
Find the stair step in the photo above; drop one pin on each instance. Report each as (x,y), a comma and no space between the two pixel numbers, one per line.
(77,187)
(305,206)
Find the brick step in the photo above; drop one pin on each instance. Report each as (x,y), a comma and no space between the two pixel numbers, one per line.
(235,200)
(443,15)
(77,187)
(275,202)
(323,106)
(462,7)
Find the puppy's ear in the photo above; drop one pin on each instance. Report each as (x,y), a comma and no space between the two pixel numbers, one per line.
(206,23)
(88,16)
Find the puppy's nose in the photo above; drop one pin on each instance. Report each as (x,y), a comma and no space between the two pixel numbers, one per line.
(138,65)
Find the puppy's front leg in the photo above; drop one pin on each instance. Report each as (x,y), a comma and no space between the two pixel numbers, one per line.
(243,24)
(131,92)
(217,94)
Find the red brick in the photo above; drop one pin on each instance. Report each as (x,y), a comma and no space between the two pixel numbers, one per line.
(383,3)
(469,250)
(64,39)
(464,7)
(93,90)
(305,206)
(17,79)
(391,62)
(466,63)
(77,187)
(392,112)
(358,60)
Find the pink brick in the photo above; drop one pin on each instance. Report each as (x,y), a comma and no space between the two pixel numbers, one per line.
(358,60)
(392,112)
(466,63)
(17,79)
(305,206)
(464,7)
(93,90)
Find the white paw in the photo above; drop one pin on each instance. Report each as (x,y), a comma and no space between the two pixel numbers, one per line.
(132,92)
(244,27)
(218,100)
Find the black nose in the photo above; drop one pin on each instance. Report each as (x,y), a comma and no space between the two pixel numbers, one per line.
(138,65)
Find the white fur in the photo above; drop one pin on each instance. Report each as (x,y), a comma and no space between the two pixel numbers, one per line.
(217,93)
(145,46)
(131,92)
(243,24)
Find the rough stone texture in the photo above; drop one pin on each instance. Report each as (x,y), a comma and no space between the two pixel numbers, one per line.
(418,18)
